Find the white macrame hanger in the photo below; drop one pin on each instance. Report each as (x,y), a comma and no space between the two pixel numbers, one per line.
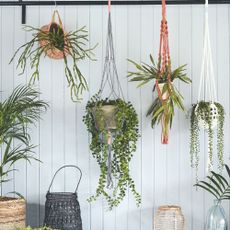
(207,79)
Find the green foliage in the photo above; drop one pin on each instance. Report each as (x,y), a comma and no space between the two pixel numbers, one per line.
(73,44)
(201,110)
(217,185)
(42,228)
(21,109)
(146,73)
(123,147)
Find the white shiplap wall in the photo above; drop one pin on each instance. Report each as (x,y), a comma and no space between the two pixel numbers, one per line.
(162,173)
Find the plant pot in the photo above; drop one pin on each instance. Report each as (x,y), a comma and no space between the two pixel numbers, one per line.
(165,95)
(216,219)
(54,52)
(202,117)
(105,117)
(12,213)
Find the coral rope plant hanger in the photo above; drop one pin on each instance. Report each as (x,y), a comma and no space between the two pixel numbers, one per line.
(164,62)
(168,97)
(207,113)
(113,124)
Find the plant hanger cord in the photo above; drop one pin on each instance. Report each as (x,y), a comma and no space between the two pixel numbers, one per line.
(110,75)
(164,61)
(207,79)
(110,78)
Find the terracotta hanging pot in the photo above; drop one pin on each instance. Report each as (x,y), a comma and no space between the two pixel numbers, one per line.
(55,51)
(105,117)
(12,213)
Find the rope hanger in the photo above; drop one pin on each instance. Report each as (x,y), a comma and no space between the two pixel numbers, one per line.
(207,78)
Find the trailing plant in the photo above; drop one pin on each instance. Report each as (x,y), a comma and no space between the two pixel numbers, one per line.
(113,148)
(22,108)
(47,43)
(217,185)
(42,228)
(168,97)
(206,115)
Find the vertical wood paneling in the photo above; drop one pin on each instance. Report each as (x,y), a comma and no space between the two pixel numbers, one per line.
(162,173)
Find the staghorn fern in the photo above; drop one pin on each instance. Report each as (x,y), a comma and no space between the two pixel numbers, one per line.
(218,186)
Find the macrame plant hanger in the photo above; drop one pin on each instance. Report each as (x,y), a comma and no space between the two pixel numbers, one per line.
(164,62)
(207,79)
(111,81)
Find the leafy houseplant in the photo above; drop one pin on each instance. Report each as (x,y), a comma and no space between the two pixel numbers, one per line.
(219,187)
(17,112)
(168,97)
(207,115)
(52,41)
(120,137)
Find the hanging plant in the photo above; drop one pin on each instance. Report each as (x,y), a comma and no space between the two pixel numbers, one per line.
(113,125)
(207,114)
(53,41)
(168,97)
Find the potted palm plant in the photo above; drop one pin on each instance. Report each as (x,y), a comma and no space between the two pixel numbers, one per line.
(53,41)
(17,112)
(219,187)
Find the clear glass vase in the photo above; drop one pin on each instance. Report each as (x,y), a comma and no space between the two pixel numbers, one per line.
(216,219)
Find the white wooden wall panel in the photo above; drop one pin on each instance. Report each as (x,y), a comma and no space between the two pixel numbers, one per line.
(162,173)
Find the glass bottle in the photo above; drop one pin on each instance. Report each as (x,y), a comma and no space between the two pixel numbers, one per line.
(216,219)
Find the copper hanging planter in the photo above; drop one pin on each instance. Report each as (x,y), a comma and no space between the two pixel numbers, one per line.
(54,51)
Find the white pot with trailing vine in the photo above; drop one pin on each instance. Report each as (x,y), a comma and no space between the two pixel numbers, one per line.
(113,125)
(207,114)
(17,113)
(218,186)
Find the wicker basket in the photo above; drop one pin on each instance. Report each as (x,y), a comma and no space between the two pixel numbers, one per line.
(169,218)
(12,213)
(62,209)
(54,53)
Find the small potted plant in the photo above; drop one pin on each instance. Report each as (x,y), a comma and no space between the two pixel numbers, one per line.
(53,41)
(167,95)
(218,186)
(207,116)
(114,137)
(21,109)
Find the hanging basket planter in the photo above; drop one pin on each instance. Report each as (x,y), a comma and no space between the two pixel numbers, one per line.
(60,50)
(168,98)
(12,213)
(207,114)
(113,125)
(54,42)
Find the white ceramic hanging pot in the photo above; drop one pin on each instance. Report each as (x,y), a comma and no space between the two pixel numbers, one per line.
(202,117)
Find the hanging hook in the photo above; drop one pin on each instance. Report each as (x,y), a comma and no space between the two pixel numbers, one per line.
(55,4)
(109,5)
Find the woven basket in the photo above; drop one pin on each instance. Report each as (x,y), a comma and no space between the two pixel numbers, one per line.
(62,209)
(169,218)
(54,53)
(12,213)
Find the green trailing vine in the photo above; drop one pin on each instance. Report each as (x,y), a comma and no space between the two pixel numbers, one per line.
(123,146)
(72,44)
(201,113)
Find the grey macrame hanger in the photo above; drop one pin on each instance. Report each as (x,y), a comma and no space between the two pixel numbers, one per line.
(110,75)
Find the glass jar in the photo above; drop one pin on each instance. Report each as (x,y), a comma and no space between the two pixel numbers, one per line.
(216,219)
